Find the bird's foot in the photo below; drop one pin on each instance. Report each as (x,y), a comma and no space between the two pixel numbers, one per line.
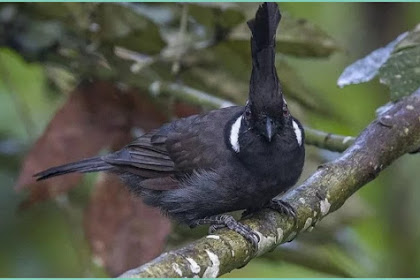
(283,207)
(221,221)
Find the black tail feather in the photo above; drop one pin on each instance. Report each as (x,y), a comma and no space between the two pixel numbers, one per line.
(87,165)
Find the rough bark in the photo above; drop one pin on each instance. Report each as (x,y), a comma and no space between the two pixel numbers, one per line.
(393,134)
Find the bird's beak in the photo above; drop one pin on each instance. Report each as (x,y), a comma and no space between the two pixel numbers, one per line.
(269,129)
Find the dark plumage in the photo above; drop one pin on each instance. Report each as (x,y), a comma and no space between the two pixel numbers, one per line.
(264,83)
(235,158)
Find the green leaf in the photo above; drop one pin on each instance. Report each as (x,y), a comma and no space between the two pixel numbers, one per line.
(401,73)
(76,16)
(228,61)
(302,38)
(411,40)
(121,26)
(296,37)
(23,96)
(397,64)
(40,35)
(107,24)
(365,69)
(225,15)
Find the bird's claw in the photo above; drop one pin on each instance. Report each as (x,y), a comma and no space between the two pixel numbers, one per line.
(215,227)
(221,221)
(283,207)
(246,232)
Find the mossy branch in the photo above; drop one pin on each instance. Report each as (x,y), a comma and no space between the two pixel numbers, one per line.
(393,134)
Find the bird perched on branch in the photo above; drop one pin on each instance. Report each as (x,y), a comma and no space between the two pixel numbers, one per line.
(196,169)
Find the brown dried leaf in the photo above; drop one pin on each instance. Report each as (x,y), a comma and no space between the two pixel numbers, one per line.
(122,230)
(96,115)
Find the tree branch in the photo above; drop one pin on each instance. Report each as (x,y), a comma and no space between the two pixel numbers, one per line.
(394,133)
(328,141)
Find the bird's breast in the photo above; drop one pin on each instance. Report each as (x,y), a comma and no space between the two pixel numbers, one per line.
(276,163)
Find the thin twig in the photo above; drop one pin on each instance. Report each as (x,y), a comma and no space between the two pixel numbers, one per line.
(329,141)
(180,40)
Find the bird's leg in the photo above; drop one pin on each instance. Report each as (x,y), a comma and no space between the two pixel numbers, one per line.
(228,221)
(283,207)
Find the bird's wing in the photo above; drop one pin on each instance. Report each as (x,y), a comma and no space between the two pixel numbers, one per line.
(198,142)
(143,158)
(177,149)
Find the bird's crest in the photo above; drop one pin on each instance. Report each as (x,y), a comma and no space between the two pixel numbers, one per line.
(265,93)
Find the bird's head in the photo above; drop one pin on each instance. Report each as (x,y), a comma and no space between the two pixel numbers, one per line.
(266,111)
(267,121)
(266,114)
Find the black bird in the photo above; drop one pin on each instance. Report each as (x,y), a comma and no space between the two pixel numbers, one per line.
(236,158)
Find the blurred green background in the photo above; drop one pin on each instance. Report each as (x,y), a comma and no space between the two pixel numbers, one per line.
(376,233)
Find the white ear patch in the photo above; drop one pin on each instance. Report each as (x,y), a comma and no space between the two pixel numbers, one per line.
(298,133)
(234,134)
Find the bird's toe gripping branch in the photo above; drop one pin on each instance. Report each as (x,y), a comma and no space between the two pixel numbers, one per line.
(283,207)
(221,221)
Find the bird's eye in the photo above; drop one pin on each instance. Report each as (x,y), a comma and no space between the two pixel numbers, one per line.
(285,111)
(247,113)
